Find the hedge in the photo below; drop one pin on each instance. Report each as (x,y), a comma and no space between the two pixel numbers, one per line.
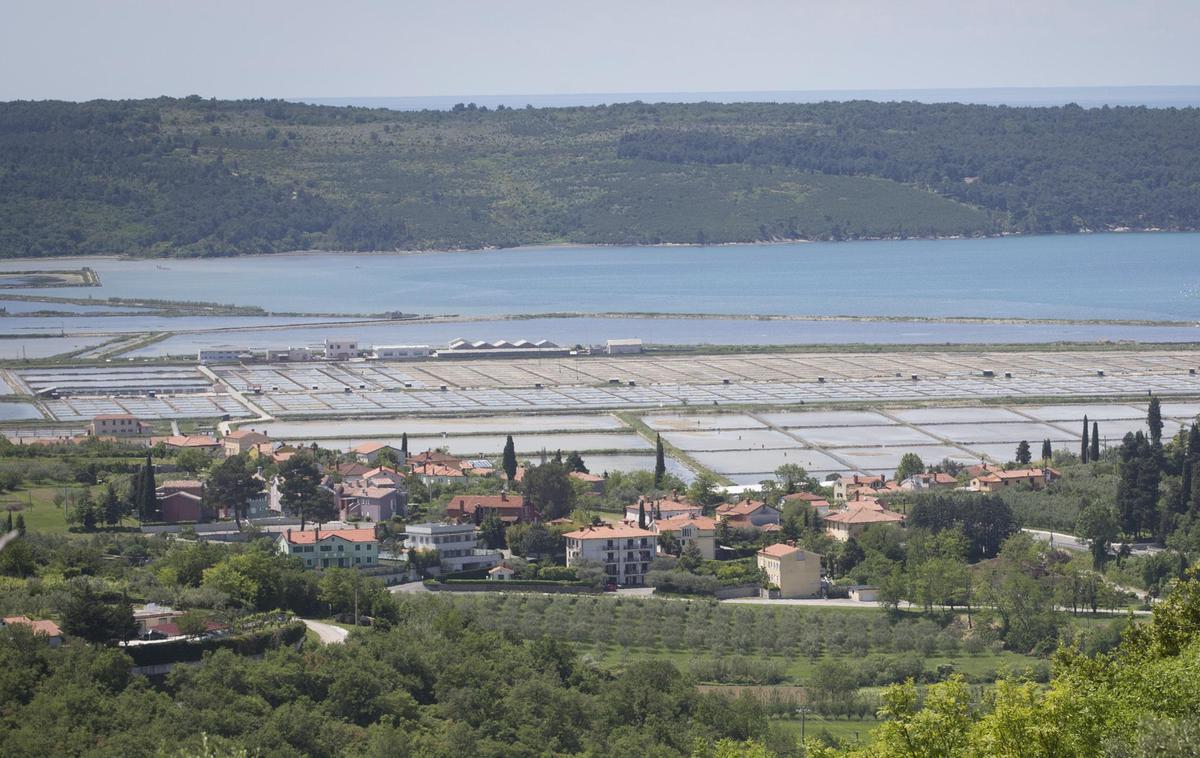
(251,643)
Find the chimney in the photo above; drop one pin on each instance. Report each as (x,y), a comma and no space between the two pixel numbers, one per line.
(791,543)
(503,497)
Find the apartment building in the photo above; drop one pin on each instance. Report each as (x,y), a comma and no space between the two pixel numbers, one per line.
(625,550)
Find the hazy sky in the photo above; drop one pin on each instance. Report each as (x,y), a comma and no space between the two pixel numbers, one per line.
(73,49)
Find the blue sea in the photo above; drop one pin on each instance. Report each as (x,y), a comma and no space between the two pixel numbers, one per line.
(1151,276)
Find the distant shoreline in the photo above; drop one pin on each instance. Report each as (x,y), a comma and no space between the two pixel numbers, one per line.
(583,246)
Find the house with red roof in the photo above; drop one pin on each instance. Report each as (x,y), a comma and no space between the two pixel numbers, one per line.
(795,571)
(369,452)
(748,514)
(509,507)
(1036,478)
(700,531)
(331,548)
(41,628)
(180,500)
(625,550)
(856,517)
(665,508)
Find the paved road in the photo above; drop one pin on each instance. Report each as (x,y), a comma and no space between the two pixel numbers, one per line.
(1078,544)
(813,601)
(329,634)
(1059,539)
(409,587)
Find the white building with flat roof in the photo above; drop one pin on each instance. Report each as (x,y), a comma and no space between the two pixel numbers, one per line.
(624,347)
(400,352)
(455,544)
(342,349)
(222,355)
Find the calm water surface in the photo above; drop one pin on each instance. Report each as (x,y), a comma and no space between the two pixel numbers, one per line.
(1137,276)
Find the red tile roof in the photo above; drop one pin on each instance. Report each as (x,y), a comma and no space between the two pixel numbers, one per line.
(310,537)
(678,522)
(780,550)
(864,515)
(41,626)
(608,532)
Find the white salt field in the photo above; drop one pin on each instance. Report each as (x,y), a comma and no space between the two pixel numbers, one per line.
(435,426)
(730,439)
(873,441)
(44,347)
(955,415)
(1181,410)
(885,459)
(965,433)
(19,412)
(825,418)
(483,444)
(681,422)
(1077,412)
(832,436)
(1008,451)
(742,461)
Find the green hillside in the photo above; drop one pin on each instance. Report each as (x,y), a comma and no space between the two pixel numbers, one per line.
(206,177)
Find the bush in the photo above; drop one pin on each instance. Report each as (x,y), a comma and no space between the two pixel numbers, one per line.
(682,582)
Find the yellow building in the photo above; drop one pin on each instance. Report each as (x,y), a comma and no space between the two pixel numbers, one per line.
(698,530)
(795,571)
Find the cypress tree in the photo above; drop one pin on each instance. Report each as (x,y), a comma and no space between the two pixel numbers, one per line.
(1023,454)
(1083,448)
(1190,486)
(8,526)
(147,501)
(1154,421)
(21,524)
(404,444)
(642,513)
(1094,454)
(510,459)
(660,461)
(1047,451)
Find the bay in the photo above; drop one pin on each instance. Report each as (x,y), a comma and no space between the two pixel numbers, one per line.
(1146,276)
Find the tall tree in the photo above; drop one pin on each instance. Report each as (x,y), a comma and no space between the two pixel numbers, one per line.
(1084,449)
(491,530)
(1023,454)
(404,445)
(1047,451)
(642,513)
(20,526)
(94,614)
(910,465)
(660,461)
(144,491)
(1094,453)
(1155,422)
(301,494)
(575,463)
(548,490)
(510,459)
(1190,486)
(232,485)
(1137,485)
(111,506)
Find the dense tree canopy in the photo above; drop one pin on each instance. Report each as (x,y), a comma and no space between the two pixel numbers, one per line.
(209,177)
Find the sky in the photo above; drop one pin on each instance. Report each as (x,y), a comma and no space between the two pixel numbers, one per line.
(77,50)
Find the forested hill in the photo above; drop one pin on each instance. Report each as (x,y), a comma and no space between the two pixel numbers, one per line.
(207,177)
